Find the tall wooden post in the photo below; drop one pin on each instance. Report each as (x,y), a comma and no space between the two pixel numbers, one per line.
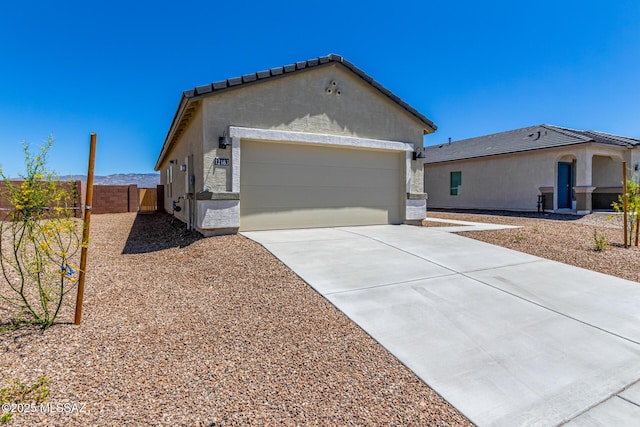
(637,226)
(624,202)
(636,195)
(86,228)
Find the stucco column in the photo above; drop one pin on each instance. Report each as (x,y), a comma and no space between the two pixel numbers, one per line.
(416,202)
(584,202)
(584,168)
(583,188)
(634,162)
(235,164)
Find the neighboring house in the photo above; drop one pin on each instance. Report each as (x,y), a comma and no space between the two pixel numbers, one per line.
(313,144)
(574,170)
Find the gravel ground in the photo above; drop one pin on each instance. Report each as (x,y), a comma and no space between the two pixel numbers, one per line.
(179,330)
(564,238)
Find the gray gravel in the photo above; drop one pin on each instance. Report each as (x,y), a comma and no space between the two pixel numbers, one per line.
(179,330)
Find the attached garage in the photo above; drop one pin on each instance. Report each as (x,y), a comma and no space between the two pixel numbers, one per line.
(317,143)
(299,186)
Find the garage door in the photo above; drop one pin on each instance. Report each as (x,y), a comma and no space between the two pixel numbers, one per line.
(299,186)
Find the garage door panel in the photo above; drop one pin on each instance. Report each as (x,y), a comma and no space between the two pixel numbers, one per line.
(282,153)
(308,197)
(273,218)
(313,176)
(298,186)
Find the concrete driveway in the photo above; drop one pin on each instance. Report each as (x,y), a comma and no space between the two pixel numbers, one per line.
(507,338)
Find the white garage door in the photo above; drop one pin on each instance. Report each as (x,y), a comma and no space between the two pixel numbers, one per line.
(299,186)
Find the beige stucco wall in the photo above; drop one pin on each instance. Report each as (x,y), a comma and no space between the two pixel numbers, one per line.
(500,182)
(634,157)
(298,102)
(510,181)
(190,144)
(607,171)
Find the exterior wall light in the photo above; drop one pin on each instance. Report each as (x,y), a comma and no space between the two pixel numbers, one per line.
(418,154)
(224,141)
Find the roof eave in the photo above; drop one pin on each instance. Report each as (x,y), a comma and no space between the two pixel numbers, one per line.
(430,127)
(177,117)
(200,92)
(591,142)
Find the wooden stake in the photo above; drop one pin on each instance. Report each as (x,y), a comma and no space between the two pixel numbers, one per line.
(637,226)
(85,230)
(636,195)
(624,202)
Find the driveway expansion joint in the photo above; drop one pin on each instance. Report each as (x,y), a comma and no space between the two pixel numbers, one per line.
(403,282)
(550,309)
(627,400)
(600,402)
(403,250)
(465,274)
(515,264)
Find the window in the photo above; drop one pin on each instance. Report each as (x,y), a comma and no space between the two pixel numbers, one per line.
(166,182)
(456,183)
(170,181)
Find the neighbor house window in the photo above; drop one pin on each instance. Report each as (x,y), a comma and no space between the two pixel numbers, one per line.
(456,182)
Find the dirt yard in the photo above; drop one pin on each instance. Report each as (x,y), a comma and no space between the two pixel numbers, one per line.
(180,330)
(563,238)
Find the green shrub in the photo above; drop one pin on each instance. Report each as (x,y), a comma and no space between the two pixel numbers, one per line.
(15,392)
(39,241)
(633,208)
(600,240)
(519,237)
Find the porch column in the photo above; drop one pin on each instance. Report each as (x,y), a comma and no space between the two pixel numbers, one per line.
(634,157)
(584,202)
(583,188)
(584,168)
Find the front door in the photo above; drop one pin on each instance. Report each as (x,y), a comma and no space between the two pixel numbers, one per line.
(565,184)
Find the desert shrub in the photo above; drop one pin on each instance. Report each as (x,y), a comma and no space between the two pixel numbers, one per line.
(17,393)
(39,242)
(519,237)
(600,240)
(633,208)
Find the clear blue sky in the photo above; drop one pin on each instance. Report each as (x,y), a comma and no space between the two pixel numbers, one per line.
(118,68)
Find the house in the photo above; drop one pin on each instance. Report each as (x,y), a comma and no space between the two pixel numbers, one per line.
(317,143)
(576,171)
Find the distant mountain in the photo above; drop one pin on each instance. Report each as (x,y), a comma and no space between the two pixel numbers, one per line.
(142,180)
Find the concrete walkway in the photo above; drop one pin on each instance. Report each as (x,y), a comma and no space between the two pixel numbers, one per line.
(507,338)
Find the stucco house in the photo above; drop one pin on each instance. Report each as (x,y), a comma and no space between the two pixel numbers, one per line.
(312,144)
(575,170)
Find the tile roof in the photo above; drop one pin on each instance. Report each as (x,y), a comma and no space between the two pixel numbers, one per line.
(520,140)
(211,88)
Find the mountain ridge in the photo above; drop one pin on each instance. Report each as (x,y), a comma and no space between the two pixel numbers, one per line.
(142,180)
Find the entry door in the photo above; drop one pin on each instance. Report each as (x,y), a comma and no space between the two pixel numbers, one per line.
(565,184)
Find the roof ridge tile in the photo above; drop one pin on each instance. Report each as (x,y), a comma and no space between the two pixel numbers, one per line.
(301,65)
(516,141)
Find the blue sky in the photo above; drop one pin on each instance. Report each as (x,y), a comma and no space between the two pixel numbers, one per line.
(118,68)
